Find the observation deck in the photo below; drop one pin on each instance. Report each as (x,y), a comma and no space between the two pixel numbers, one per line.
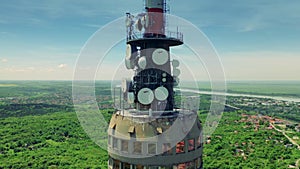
(171,38)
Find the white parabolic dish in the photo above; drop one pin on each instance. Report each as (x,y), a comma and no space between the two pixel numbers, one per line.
(145,96)
(160,56)
(142,62)
(161,93)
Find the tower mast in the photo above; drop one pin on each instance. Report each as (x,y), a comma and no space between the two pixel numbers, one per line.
(147,107)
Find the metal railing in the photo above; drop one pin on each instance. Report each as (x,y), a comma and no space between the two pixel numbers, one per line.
(141,35)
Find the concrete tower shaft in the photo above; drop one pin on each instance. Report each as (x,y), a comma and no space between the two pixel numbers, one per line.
(148,131)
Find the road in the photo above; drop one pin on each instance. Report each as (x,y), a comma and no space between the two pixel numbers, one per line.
(291,140)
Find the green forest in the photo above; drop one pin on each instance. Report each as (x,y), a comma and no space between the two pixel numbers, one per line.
(39,129)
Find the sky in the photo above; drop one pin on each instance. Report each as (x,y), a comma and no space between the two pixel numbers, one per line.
(255,40)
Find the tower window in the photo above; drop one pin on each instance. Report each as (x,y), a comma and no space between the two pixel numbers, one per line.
(137,147)
(109,140)
(115,143)
(126,166)
(164,167)
(191,143)
(139,167)
(153,167)
(166,147)
(151,148)
(116,164)
(124,145)
(190,165)
(180,147)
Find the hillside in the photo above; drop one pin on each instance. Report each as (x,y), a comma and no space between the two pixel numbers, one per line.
(39,129)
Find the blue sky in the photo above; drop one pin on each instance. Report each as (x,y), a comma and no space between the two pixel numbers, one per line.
(256,40)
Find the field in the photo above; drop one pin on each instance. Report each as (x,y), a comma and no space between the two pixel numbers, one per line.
(269,88)
(275,88)
(8,85)
(39,129)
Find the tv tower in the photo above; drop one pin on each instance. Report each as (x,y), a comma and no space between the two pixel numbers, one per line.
(148,130)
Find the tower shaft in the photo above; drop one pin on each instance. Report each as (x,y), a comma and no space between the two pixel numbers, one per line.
(148,131)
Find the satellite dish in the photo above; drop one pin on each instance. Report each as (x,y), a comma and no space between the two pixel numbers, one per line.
(125,85)
(129,64)
(160,56)
(161,93)
(175,63)
(146,21)
(142,62)
(128,51)
(176,72)
(176,81)
(164,80)
(164,75)
(145,96)
(143,21)
(138,25)
(128,22)
(130,98)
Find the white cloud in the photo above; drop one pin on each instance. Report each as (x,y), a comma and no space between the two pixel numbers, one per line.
(4,60)
(62,66)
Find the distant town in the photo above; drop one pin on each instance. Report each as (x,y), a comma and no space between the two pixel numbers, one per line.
(269,114)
